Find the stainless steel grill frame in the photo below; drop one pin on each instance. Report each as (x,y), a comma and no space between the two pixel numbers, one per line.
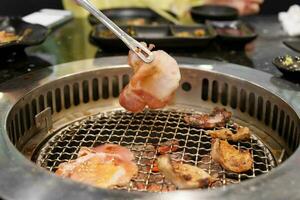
(149,128)
(80,89)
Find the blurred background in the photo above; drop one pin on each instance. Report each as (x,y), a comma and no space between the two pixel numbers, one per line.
(17,7)
(247,42)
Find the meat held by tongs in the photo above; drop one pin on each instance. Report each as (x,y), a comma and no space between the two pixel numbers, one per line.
(184,176)
(152,85)
(156,74)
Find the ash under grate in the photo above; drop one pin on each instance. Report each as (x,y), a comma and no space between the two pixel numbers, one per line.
(135,131)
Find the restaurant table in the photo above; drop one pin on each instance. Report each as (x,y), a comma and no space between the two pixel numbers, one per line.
(70,42)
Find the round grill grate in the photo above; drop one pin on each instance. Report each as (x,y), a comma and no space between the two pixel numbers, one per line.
(137,131)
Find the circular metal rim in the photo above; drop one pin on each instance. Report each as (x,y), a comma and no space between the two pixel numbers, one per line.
(21,179)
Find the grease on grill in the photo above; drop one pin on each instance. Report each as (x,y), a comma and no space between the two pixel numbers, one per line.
(140,133)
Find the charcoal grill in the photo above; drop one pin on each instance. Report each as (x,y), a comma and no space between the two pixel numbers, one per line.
(49,116)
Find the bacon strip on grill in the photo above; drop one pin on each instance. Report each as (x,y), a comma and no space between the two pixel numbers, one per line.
(105,166)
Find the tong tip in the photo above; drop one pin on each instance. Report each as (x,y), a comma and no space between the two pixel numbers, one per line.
(149,58)
(145,54)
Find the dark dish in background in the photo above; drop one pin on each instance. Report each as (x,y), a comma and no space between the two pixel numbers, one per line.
(233,33)
(288,65)
(163,36)
(212,12)
(25,34)
(146,25)
(131,16)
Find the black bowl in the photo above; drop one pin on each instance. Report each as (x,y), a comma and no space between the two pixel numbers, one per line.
(289,69)
(30,34)
(122,16)
(215,13)
(233,34)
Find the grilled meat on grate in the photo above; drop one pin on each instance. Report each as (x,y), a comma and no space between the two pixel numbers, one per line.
(184,176)
(218,118)
(231,158)
(105,166)
(149,135)
(242,133)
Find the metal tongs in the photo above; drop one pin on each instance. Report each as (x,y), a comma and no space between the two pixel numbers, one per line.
(139,49)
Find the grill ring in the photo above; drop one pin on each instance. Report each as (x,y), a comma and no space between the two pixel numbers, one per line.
(19,178)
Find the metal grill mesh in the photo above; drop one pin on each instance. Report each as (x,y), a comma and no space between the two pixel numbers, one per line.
(150,127)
